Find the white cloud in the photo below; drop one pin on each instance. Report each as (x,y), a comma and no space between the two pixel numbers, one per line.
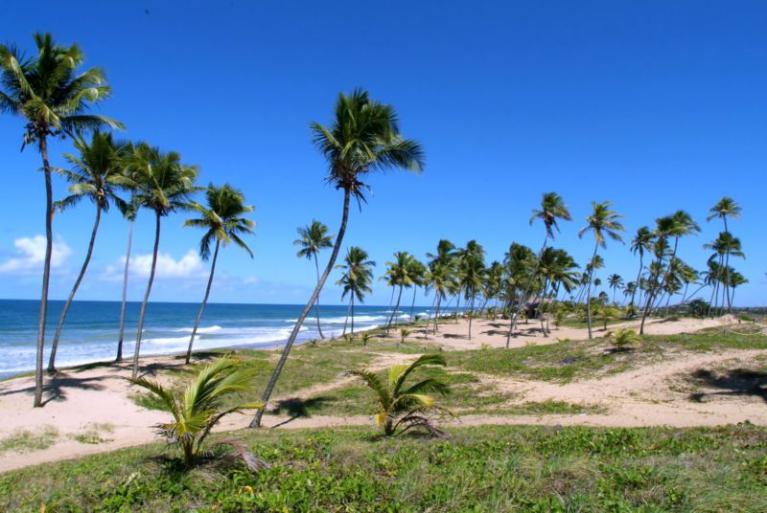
(31,254)
(189,265)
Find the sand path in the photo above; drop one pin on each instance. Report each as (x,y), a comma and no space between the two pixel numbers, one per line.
(87,399)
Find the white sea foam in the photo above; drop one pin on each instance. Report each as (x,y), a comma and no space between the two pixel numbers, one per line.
(202,329)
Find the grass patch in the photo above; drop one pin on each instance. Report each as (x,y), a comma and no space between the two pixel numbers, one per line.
(29,441)
(511,468)
(93,434)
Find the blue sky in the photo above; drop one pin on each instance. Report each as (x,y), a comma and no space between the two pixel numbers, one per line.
(653,105)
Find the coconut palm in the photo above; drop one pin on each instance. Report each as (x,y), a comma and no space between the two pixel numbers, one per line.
(724,246)
(641,244)
(417,272)
(471,274)
(312,239)
(603,223)
(199,406)
(552,209)
(402,406)
(53,99)
(96,174)
(492,284)
(224,222)
(167,184)
(664,227)
(129,213)
(682,225)
(364,137)
(356,278)
(399,275)
(441,275)
(615,282)
(520,263)
(725,208)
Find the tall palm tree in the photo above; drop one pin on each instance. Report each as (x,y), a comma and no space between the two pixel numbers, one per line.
(641,243)
(312,239)
(471,274)
(129,212)
(724,246)
(399,275)
(725,208)
(492,285)
(615,282)
(364,137)
(356,278)
(441,274)
(167,184)
(603,223)
(682,225)
(53,98)
(664,227)
(224,222)
(96,174)
(417,272)
(520,262)
(552,209)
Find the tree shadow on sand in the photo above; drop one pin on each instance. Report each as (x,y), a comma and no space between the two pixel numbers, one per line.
(734,382)
(55,389)
(296,408)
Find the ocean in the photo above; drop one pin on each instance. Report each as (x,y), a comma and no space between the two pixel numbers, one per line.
(91,331)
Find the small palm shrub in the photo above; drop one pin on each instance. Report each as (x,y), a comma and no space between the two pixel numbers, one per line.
(404,407)
(365,337)
(623,338)
(403,333)
(198,407)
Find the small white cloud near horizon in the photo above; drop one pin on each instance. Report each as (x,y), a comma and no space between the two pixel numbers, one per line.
(189,265)
(31,255)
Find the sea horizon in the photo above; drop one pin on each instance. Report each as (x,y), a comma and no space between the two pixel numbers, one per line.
(92,328)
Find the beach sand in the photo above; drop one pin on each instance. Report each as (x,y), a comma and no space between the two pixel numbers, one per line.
(96,399)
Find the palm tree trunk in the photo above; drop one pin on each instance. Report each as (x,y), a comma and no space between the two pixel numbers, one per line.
(639,277)
(124,304)
(43,146)
(65,310)
(412,305)
(142,312)
(396,309)
(588,290)
(436,313)
(256,422)
(352,314)
(317,304)
(471,315)
(346,320)
(204,302)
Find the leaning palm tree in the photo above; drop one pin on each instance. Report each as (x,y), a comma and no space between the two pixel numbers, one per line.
(96,174)
(399,276)
(641,244)
(364,137)
(615,282)
(224,222)
(403,407)
(312,239)
(357,277)
(417,272)
(603,223)
(53,99)
(199,406)
(166,187)
(441,275)
(725,208)
(471,274)
(129,213)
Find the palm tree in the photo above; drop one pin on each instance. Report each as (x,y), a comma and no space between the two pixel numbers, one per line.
(492,285)
(53,99)
(402,407)
(95,175)
(364,137)
(356,278)
(520,262)
(441,275)
(166,186)
(682,225)
(724,208)
(129,212)
(724,246)
(615,282)
(417,272)
(399,275)
(664,226)
(223,221)
(557,269)
(312,239)
(641,243)
(471,274)
(603,223)
(199,406)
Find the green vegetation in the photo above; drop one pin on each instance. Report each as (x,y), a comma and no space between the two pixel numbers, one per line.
(476,469)
(201,404)
(27,441)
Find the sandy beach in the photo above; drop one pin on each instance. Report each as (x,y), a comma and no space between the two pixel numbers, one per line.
(96,399)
